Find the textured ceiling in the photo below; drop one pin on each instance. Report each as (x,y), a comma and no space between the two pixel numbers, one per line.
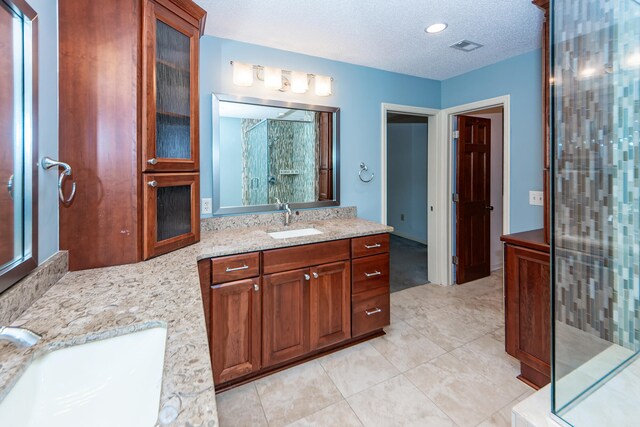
(384,34)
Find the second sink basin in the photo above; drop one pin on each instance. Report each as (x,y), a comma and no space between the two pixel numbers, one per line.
(294,233)
(110,382)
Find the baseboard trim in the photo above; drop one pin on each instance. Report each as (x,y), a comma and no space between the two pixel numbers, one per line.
(408,237)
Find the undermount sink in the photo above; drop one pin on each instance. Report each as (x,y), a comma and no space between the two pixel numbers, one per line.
(109,382)
(294,233)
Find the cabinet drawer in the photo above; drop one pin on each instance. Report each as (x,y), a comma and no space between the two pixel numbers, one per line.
(370,311)
(370,273)
(369,245)
(235,267)
(285,259)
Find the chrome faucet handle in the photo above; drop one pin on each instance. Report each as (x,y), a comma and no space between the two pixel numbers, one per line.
(278,203)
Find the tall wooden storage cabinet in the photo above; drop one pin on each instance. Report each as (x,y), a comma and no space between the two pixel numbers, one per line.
(129,128)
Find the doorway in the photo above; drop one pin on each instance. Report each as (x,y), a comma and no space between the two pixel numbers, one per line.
(478,165)
(407,198)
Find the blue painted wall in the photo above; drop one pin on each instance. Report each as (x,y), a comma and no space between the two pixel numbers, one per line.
(231,168)
(407,179)
(47,125)
(358,91)
(519,77)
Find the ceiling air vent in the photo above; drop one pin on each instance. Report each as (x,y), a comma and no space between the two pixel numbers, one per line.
(466,45)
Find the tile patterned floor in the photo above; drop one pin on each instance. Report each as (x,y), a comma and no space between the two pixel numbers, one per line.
(442,363)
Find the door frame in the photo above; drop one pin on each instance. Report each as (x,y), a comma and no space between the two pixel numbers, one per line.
(445,246)
(434,264)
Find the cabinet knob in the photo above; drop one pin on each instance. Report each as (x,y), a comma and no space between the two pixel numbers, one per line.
(152,161)
(152,183)
(307,277)
(315,275)
(256,287)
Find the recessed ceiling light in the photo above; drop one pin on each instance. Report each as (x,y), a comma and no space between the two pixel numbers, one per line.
(436,28)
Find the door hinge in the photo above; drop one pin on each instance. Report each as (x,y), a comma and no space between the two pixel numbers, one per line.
(456,134)
(455,197)
(454,260)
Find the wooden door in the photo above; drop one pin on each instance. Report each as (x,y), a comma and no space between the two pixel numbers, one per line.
(171,212)
(235,329)
(170,137)
(473,208)
(330,304)
(527,310)
(285,320)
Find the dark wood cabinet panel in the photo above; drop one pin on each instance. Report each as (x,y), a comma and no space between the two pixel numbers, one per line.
(170,71)
(172,212)
(285,322)
(330,304)
(370,273)
(235,267)
(370,311)
(369,245)
(285,259)
(527,308)
(236,328)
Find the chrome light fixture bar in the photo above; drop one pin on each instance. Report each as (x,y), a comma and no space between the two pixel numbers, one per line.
(278,79)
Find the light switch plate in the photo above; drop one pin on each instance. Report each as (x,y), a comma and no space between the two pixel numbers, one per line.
(205,207)
(536,198)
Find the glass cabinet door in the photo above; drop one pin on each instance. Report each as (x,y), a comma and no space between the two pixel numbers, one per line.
(171,141)
(172,212)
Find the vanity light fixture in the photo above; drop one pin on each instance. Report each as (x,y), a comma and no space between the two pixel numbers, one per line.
(299,82)
(272,78)
(279,79)
(242,74)
(323,85)
(436,28)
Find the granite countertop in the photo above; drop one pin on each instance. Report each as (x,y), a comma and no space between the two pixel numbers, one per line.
(99,303)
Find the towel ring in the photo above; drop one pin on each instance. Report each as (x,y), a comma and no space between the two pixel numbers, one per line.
(364,168)
(48,163)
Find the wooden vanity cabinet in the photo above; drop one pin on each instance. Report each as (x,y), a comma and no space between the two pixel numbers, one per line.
(298,307)
(128,104)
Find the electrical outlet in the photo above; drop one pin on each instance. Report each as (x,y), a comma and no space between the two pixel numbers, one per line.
(536,198)
(401,217)
(206,207)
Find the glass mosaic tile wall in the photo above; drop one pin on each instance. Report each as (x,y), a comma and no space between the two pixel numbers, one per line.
(596,128)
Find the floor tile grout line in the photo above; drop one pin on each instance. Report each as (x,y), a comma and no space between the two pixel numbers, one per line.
(431,400)
(264,413)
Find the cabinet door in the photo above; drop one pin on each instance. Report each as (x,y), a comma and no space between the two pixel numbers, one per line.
(285,321)
(235,329)
(170,137)
(528,299)
(171,212)
(330,304)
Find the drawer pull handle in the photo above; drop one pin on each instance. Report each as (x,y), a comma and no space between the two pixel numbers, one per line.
(256,287)
(244,267)
(375,245)
(374,311)
(375,273)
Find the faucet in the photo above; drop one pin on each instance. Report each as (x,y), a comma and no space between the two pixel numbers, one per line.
(287,211)
(287,214)
(20,337)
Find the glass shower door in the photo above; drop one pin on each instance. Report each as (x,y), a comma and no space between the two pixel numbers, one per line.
(596,238)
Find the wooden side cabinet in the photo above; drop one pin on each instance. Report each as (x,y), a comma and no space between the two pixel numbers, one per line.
(236,310)
(527,305)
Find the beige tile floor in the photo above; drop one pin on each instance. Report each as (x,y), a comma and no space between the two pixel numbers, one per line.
(442,363)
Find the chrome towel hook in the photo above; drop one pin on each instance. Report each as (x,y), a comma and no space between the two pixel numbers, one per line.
(365,168)
(48,163)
